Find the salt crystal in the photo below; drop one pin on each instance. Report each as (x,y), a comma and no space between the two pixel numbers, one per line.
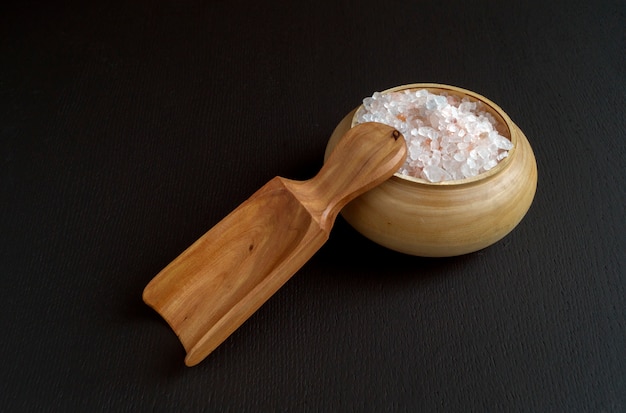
(436,174)
(466,171)
(434,144)
(490,164)
(466,107)
(447,137)
(500,141)
(423,157)
(424,130)
(483,152)
(431,104)
(448,147)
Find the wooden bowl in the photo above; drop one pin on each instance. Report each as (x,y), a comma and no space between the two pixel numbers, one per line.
(447,218)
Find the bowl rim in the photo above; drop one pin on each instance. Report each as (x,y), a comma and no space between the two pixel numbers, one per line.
(508,124)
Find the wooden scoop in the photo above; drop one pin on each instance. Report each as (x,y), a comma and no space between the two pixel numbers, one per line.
(225,276)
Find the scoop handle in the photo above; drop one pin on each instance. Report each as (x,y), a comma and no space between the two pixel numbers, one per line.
(367,155)
(227,274)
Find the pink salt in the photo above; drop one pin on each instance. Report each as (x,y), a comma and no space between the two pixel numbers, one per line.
(447,137)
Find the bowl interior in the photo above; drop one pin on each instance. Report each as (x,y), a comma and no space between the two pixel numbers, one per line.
(504,126)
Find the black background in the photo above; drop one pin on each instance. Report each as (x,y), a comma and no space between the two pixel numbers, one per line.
(128,129)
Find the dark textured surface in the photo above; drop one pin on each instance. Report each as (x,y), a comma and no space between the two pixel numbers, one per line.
(128,129)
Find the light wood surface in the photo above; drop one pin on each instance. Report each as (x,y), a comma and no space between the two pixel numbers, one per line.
(447,218)
(225,276)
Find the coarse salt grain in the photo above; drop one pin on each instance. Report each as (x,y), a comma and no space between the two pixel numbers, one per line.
(447,137)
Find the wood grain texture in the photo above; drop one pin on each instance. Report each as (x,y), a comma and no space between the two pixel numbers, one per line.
(448,218)
(128,129)
(217,283)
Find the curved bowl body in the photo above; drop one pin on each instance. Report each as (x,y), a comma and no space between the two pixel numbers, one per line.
(448,218)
